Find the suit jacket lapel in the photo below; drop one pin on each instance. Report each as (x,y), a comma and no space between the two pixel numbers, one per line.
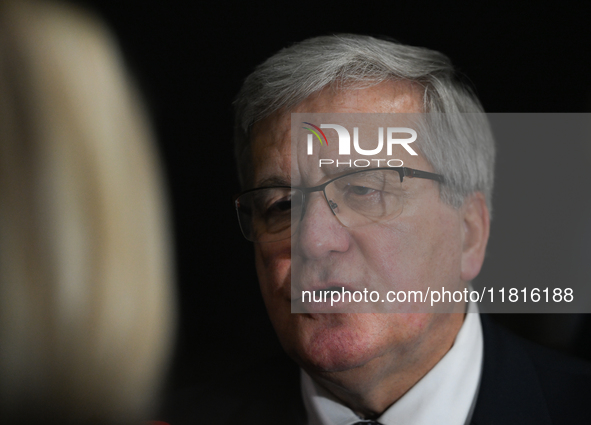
(510,392)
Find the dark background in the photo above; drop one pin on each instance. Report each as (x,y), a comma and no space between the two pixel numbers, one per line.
(189,60)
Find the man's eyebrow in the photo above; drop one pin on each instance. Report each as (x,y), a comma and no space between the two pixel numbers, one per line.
(332,172)
(273,181)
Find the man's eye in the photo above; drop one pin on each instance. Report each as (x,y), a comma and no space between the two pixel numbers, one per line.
(280,206)
(361,190)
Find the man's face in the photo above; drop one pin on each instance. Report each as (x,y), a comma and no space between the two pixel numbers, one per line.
(424,246)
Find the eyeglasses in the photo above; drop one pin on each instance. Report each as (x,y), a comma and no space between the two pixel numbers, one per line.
(271,214)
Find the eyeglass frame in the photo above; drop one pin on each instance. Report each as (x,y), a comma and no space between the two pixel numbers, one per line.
(402,172)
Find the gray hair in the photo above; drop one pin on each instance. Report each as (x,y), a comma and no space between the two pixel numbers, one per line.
(459,142)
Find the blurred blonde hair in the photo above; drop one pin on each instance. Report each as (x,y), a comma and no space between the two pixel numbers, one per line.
(86,298)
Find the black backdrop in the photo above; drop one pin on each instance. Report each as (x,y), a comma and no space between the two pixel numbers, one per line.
(189,59)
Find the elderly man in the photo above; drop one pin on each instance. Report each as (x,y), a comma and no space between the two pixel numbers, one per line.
(316,227)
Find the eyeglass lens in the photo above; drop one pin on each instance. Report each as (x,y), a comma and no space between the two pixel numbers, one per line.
(357,199)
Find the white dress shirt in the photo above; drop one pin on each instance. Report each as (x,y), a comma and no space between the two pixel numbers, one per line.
(446,395)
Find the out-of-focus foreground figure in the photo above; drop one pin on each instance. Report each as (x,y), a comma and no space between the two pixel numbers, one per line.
(86,297)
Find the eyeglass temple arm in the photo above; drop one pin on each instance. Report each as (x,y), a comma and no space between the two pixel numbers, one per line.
(409,172)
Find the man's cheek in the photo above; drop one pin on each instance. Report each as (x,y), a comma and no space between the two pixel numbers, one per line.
(441,253)
(273,264)
(420,253)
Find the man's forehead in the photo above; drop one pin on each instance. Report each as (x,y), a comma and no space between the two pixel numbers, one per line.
(399,96)
(270,149)
(271,137)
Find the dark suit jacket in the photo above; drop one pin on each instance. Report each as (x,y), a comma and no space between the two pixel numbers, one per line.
(521,384)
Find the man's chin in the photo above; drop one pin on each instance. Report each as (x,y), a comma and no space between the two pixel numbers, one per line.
(333,343)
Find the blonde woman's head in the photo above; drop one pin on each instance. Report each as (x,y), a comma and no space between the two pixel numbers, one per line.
(86,302)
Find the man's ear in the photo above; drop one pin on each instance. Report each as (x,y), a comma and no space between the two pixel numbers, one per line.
(476,227)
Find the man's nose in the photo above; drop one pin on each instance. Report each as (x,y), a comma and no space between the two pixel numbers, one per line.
(319,232)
